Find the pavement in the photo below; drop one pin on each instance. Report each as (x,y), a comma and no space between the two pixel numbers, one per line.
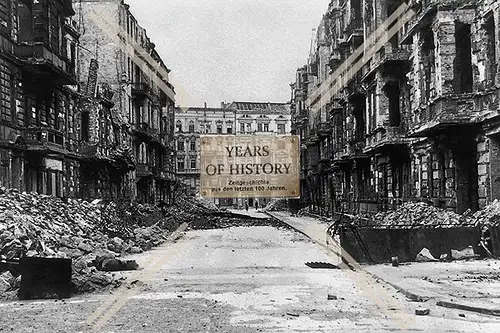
(472,285)
(241,280)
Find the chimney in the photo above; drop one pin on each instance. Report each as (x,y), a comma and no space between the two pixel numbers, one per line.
(205,105)
(92,79)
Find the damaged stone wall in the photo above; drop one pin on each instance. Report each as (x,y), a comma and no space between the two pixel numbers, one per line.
(429,101)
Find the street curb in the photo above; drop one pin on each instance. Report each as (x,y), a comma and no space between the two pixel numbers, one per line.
(291,226)
(412,296)
(451,305)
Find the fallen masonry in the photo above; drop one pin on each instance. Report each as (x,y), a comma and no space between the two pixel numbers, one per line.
(417,231)
(94,235)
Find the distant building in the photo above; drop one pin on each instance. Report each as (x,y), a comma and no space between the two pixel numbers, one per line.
(189,124)
(261,118)
(241,118)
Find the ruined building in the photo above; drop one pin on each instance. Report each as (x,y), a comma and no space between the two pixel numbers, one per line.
(417,122)
(129,131)
(39,97)
(78,116)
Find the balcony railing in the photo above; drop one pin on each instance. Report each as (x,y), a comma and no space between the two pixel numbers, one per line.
(89,150)
(143,170)
(454,110)
(141,89)
(44,139)
(40,61)
(354,28)
(143,128)
(388,136)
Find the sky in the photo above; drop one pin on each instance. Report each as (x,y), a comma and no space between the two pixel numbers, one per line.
(230,50)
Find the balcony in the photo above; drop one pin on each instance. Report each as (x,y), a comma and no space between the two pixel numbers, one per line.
(143,170)
(71,27)
(355,149)
(426,9)
(162,173)
(335,58)
(141,90)
(94,151)
(353,32)
(312,138)
(454,111)
(42,63)
(45,140)
(324,129)
(144,130)
(385,137)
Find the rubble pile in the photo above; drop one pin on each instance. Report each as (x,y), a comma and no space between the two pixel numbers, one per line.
(34,225)
(489,216)
(416,215)
(277,205)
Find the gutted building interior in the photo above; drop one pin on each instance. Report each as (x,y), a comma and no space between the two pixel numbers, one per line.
(416,121)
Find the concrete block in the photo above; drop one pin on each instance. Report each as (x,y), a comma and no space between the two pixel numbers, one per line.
(422,311)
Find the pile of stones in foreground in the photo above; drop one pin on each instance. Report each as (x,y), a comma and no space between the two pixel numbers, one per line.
(95,235)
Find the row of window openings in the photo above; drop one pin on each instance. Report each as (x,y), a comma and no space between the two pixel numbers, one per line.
(463,75)
(181,164)
(192,145)
(203,128)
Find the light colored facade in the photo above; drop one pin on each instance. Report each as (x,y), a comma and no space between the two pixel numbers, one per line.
(261,118)
(236,118)
(189,124)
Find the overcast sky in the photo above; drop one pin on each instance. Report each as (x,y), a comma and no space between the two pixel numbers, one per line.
(225,50)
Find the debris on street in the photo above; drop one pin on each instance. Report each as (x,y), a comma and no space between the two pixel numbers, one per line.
(93,234)
(422,311)
(425,256)
(419,215)
(276,205)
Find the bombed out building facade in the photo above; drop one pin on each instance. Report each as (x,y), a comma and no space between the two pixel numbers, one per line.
(419,121)
(81,114)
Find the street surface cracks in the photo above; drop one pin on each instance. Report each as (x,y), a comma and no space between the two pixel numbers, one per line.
(242,279)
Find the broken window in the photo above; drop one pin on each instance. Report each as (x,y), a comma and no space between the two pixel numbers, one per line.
(4,16)
(178,126)
(428,65)
(393,94)
(359,116)
(25,21)
(5,91)
(392,6)
(85,126)
(463,61)
(491,69)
